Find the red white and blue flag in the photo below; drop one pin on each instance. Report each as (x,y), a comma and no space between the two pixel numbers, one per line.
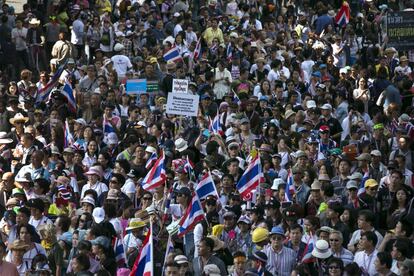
(64,193)
(206,187)
(251,178)
(107,126)
(290,187)
(67,91)
(43,93)
(119,252)
(361,188)
(168,250)
(143,265)
(197,51)
(189,168)
(215,125)
(151,160)
(69,140)
(173,55)
(192,216)
(156,175)
(236,99)
(342,17)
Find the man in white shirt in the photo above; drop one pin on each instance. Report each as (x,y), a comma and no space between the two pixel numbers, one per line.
(366,258)
(19,38)
(121,63)
(37,219)
(77,33)
(365,221)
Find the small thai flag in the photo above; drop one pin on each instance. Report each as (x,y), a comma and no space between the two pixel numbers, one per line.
(206,187)
(43,94)
(215,125)
(68,93)
(168,250)
(342,17)
(151,160)
(64,193)
(69,140)
(251,178)
(107,127)
(192,216)
(290,187)
(156,175)
(361,189)
(143,265)
(173,55)
(119,252)
(236,99)
(197,51)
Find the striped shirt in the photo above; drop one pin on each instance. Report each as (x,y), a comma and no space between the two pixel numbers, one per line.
(345,255)
(280,263)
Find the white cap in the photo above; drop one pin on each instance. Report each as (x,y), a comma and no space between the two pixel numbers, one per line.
(177,14)
(98,214)
(311,104)
(376,153)
(343,71)
(327,106)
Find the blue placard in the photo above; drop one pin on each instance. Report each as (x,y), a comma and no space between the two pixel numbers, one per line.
(136,86)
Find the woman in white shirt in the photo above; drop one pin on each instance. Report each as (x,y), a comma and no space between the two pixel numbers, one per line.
(91,154)
(362,93)
(94,174)
(222,80)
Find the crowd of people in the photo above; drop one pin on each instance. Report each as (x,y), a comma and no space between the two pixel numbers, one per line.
(314,95)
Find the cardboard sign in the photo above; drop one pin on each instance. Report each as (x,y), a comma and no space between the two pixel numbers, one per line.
(400,30)
(136,86)
(182,104)
(180,86)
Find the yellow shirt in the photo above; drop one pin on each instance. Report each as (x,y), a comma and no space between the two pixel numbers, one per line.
(210,34)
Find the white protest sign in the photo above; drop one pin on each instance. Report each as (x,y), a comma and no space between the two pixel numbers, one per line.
(182,104)
(180,86)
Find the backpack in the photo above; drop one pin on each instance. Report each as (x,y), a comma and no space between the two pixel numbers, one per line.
(106,38)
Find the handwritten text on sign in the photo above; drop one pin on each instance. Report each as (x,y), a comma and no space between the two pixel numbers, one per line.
(182,104)
(180,86)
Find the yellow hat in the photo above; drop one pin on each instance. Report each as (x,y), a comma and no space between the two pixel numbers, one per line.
(371,183)
(135,224)
(260,234)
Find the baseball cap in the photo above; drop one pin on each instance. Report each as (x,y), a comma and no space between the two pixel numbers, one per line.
(371,183)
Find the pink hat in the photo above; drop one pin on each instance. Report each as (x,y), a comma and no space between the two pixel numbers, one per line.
(95,170)
(123,272)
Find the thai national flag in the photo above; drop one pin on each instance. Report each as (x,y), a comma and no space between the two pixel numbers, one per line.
(206,187)
(64,193)
(173,55)
(67,91)
(119,252)
(197,51)
(361,189)
(156,175)
(290,187)
(43,94)
(192,216)
(168,250)
(251,178)
(151,160)
(143,265)
(342,17)
(215,125)
(236,99)
(69,140)
(107,127)
(189,168)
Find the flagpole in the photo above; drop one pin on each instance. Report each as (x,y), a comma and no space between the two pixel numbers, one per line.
(152,249)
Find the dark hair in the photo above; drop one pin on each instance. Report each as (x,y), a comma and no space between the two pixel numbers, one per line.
(368,215)
(172,264)
(296,226)
(371,237)
(338,261)
(314,221)
(385,258)
(353,269)
(85,245)
(124,164)
(328,189)
(239,254)
(406,226)
(119,177)
(401,244)
(110,210)
(209,242)
(29,229)
(39,258)
(83,260)
(64,222)
(25,211)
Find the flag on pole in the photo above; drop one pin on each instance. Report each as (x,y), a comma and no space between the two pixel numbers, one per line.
(69,140)
(192,216)
(107,126)
(251,178)
(43,93)
(206,187)
(290,187)
(119,252)
(168,250)
(361,188)
(143,265)
(197,51)
(343,15)
(215,125)
(67,91)
(156,175)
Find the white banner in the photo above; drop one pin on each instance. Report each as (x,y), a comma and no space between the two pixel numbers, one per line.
(182,104)
(180,86)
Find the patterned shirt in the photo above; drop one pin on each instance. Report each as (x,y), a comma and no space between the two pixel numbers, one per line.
(280,263)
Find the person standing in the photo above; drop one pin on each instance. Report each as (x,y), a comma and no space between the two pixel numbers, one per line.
(19,35)
(366,257)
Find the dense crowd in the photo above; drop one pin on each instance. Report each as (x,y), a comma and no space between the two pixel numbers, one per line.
(304,129)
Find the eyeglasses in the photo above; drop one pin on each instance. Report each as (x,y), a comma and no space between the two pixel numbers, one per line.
(334,267)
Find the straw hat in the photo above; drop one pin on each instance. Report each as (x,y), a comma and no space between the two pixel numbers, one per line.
(135,224)
(19,245)
(18,118)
